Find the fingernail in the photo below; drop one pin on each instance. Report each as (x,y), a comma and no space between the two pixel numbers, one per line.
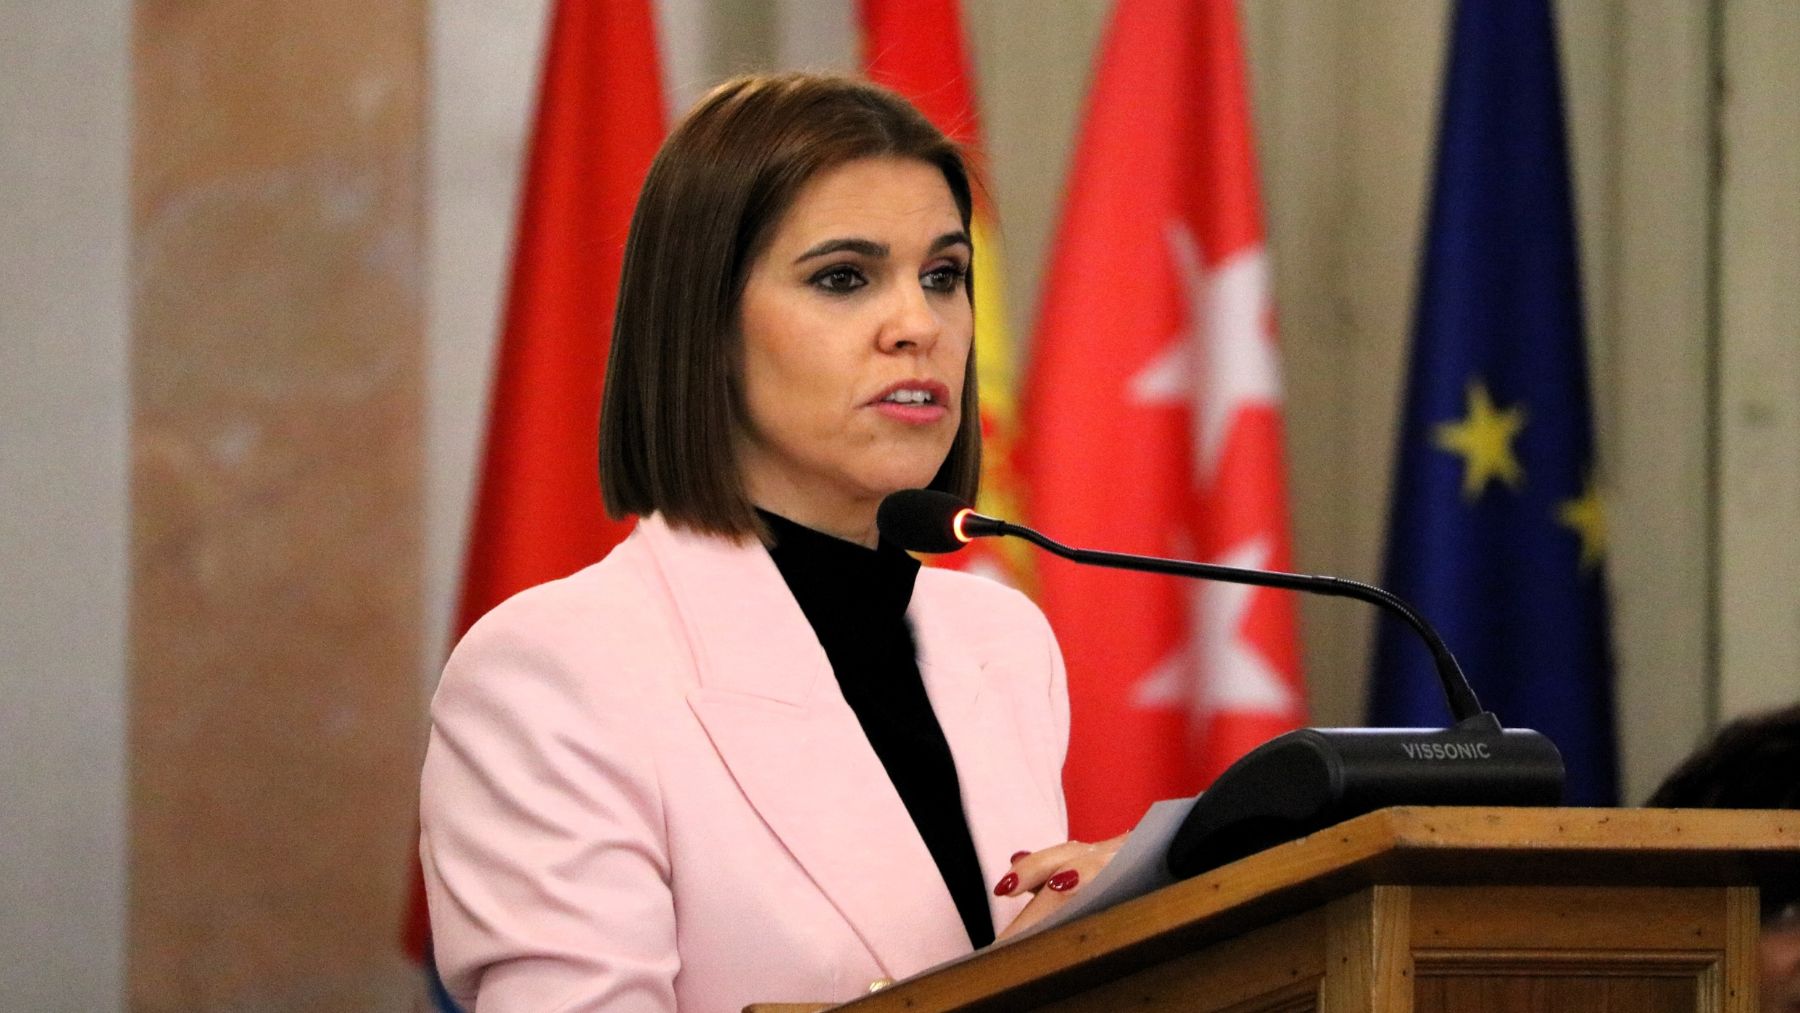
(1064,881)
(1008,883)
(1014,860)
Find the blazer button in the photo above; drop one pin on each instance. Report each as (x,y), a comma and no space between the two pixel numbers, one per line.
(880,983)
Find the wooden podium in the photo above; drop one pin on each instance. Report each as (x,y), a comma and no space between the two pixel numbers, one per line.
(1416,909)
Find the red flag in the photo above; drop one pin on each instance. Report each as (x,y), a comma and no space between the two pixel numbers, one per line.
(538,514)
(916,48)
(1153,423)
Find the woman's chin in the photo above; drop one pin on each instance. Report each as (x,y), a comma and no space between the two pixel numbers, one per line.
(902,475)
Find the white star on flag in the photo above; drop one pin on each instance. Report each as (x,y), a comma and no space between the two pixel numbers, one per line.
(1238,678)
(1220,362)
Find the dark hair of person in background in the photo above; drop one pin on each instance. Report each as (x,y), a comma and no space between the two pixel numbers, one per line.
(673,406)
(1752,763)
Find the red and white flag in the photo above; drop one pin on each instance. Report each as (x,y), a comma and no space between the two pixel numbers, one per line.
(1153,423)
(538,513)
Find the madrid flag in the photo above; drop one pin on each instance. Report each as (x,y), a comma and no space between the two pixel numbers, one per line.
(538,513)
(1153,423)
(916,48)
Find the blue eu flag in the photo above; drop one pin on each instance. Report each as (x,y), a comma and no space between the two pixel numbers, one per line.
(1497,531)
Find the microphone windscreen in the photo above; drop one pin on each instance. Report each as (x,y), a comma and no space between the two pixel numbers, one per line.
(920,520)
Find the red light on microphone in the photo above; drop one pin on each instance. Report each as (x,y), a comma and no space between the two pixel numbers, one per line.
(956,525)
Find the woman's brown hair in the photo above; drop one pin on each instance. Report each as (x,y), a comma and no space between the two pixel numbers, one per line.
(714,195)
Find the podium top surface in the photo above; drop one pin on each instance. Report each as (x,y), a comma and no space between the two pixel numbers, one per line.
(1598,847)
(1405,846)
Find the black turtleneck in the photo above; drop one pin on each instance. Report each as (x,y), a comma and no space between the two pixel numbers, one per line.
(856,599)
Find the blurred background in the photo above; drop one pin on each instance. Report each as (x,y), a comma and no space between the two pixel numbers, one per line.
(252,262)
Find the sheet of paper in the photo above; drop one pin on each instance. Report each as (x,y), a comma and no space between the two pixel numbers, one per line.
(1136,870)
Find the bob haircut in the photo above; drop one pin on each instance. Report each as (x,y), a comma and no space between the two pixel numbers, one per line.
(674,404)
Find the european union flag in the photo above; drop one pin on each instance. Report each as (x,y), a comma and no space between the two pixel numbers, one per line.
(1497,531)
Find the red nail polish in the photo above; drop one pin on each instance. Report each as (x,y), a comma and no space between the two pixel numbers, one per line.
(1007,884)
(1064,881)
(1014,860)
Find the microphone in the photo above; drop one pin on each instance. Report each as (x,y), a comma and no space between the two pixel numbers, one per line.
(1309,779)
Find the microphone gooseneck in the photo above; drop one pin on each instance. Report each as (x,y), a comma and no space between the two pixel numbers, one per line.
(1305,780)
(926,520)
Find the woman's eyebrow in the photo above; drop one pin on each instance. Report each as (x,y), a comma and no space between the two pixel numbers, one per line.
(864,247)
(875,250)
(949,239)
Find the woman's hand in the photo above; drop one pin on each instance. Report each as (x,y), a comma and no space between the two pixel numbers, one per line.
(1054,875)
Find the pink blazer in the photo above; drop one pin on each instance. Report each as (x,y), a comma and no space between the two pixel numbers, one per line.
(644,791)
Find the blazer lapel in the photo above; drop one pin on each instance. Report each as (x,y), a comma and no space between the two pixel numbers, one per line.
(771,706)
(999,790)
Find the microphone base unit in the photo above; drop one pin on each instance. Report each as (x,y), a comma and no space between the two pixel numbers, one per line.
(1307,780)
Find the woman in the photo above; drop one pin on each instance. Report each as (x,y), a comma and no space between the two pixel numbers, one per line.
(754,754)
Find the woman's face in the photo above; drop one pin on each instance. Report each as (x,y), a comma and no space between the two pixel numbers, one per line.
(856,326)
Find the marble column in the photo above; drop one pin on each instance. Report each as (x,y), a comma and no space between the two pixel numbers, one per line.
(277,475)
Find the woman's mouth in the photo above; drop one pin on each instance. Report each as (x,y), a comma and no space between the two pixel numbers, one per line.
(916,402)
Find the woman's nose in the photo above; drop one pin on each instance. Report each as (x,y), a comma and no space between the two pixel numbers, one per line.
(912,324)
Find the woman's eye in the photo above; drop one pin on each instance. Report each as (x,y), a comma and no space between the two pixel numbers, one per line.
(947,278)
(840,279)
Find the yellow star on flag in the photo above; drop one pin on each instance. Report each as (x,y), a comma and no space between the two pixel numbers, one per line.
(1587,516)
(1484,441)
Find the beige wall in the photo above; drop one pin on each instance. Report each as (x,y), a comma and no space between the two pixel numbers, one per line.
(1758,372)
(65,106)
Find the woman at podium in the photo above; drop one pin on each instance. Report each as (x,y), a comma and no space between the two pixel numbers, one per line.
(755,754)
